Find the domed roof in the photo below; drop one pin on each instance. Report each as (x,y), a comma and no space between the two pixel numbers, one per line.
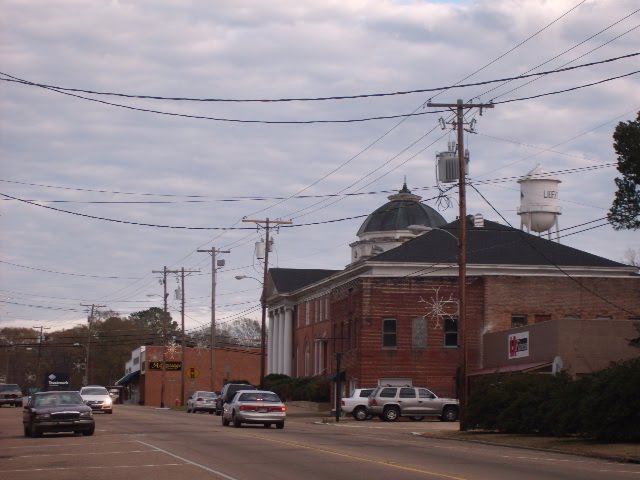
(402,210)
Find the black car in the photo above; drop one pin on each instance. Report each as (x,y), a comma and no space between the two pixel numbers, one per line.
(227,393)
(57,412)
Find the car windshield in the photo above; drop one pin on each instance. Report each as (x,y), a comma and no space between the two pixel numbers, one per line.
(8,388)
(95,391)
(207,395)
(259,397)
(57,399)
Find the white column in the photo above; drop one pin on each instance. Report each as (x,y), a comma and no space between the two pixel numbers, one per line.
(270,352)
(288,339)
(277,346)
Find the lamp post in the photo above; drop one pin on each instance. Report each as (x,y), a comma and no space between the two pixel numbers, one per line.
(263,325)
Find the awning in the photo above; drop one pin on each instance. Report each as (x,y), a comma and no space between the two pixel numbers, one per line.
(128,378)
(519,367)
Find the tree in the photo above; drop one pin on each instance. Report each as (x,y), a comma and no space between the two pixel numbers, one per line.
(625,211)
(242,331)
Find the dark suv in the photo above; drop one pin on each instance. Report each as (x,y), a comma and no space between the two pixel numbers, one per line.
(390,403)
(227,393)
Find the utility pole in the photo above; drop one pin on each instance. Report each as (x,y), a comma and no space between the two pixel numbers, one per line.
(213,251)
(458,124)
(164,272)
(40,340)
(85,380)
(263,298)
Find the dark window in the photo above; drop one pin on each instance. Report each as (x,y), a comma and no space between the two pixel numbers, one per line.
(424,393)
(450,332)
(388,393)
(518,321)
(407,393)
(366,393)
(389,335)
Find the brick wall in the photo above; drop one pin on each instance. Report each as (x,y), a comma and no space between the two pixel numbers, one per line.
(231,364)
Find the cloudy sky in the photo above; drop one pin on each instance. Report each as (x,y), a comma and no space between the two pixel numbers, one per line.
(101,185)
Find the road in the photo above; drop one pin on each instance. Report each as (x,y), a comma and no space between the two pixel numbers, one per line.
(154,444)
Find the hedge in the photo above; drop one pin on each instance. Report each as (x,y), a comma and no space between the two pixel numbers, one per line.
(604,405)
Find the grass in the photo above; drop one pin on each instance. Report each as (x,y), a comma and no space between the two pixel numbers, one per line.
(628,452)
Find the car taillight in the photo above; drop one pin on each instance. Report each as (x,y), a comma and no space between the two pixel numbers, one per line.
(342,402)
(199,399)
(374,403)
(245,408)
(278,409)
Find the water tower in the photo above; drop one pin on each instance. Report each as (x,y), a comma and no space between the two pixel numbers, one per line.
(539,208)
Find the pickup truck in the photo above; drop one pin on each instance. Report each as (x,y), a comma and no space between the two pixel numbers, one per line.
(356,404)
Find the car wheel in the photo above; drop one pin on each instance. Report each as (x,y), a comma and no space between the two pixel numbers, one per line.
(210,412)
(449,414)
(236,422)
(416,418)
(391,414)
(34,432)
(267,425)
(109,412)
(88,433)
(279,425)
(27,433)
(360,414)
(225,422)
(188,410)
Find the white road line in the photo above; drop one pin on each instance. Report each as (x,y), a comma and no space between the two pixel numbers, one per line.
(189,461)
(75,454)
(109,467)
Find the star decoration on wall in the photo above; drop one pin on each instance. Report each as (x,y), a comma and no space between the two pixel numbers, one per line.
(172,349)
(439,308)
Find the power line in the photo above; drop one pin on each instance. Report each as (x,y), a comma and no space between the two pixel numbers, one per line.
(60,89)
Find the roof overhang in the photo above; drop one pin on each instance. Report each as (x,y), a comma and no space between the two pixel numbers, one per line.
(128,378)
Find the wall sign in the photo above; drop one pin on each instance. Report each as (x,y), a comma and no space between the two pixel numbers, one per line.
(518,345)
(169,366)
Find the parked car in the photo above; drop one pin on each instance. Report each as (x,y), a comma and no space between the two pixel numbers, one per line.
(98,398)
(391,403)
(227,393)
(202,401)
(10,394)
(254,407)
(356,404)
(57,412)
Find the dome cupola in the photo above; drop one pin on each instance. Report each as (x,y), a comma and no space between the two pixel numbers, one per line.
(393,224)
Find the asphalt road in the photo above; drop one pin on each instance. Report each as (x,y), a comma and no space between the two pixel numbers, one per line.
(143,443)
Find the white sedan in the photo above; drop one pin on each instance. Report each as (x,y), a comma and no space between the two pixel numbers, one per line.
(254,407)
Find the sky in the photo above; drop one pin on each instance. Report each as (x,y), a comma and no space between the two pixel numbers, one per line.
(113,165)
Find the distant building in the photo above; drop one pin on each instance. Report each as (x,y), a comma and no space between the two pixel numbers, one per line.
(392,312)
(143,372)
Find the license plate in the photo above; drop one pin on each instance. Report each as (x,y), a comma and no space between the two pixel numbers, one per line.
(263,410)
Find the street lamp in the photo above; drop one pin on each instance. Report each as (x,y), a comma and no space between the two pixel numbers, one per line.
(263,326)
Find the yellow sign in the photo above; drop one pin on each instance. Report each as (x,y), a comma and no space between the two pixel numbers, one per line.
(192,372)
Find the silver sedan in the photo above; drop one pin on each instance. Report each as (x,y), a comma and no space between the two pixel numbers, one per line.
(254,407)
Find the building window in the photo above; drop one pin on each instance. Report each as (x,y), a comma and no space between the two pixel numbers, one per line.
(518,321)
(307,359)
(419,333)
(389,333)
(451,332)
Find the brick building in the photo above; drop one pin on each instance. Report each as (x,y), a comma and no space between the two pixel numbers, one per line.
(143,378)
(392,312)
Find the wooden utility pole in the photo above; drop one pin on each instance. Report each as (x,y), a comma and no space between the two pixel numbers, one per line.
(164,272)
(86,379)
(458,124)
(268,224)
(213,251)
(40,340)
